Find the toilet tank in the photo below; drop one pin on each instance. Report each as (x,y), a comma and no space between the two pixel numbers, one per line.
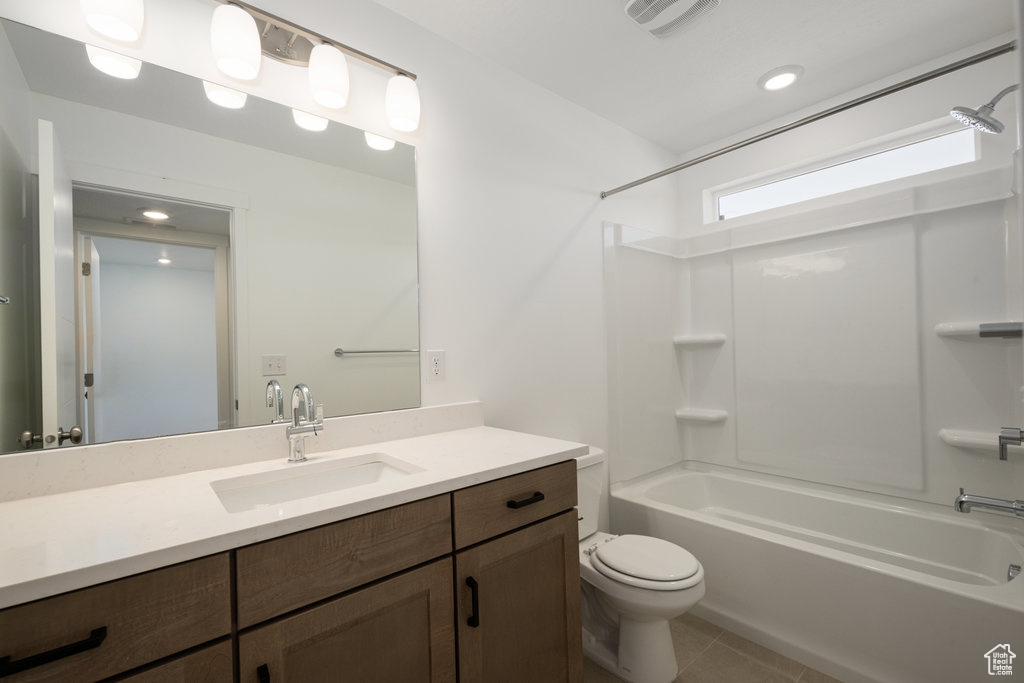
(591,475)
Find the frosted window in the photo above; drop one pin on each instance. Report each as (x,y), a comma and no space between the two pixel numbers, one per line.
(918,157)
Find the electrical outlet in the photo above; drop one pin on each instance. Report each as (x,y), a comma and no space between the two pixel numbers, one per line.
(275,365)
(435,365)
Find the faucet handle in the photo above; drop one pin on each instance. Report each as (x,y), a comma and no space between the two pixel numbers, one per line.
(1009,436)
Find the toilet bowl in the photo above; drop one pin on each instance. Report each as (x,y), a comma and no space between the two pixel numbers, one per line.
(632,585)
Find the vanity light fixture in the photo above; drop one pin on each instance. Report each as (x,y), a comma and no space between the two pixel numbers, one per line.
(224,97)
(379,142)
(781,77)
(236,42)
(327,62)
(113,64)
(155,214)
(328,76)
(402,103)
(304,119)
(119,20)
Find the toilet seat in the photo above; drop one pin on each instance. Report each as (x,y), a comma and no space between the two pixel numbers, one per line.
(647,562)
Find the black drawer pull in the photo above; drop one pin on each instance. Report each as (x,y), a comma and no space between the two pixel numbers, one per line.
(9,668)
(263,673)
(535,498)
(474,592)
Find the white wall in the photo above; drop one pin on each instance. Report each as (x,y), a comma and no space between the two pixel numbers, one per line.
(509,177)
(18,381)
(832,371)
(158,350)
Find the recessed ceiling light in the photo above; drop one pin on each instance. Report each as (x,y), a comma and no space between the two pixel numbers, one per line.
(155,215)
(163,260)
(782,77)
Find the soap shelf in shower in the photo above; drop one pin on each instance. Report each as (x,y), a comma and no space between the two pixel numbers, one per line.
(701,415)
(968,440)
(689,341)
(1002,330)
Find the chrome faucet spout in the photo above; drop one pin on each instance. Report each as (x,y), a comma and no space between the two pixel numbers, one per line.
(966,501)
(275,400)
(301,397)
(304,421)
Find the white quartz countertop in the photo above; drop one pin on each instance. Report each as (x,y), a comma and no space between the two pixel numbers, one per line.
(56,543)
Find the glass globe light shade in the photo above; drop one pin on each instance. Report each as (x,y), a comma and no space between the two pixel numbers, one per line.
(236,42)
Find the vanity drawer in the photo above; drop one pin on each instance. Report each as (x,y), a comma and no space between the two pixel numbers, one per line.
(290,572)
(487,510)
(106,629)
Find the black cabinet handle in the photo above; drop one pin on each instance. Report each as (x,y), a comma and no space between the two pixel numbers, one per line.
(263,673)
(535,498)
(474,592)
(9,668)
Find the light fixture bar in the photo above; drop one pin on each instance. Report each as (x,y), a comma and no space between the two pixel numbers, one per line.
(316,38)
(870,97)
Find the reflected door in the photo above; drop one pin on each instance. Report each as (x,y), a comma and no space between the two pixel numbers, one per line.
(56,290)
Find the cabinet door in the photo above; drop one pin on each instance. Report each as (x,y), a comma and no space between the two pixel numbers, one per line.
(519,616)
(399,630)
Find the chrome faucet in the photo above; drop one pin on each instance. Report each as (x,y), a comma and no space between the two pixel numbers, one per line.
(301,426)
(275,399)
(1009,436)
(965,501)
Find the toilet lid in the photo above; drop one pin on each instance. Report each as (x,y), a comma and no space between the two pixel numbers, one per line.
(648,558)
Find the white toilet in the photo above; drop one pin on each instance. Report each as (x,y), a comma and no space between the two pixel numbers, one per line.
(632,585)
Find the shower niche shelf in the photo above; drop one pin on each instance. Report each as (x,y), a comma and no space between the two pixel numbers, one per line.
(707,415)
(692,341)
(968,440)
(1000,330)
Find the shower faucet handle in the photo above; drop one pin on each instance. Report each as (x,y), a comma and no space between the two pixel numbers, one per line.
(1009,436)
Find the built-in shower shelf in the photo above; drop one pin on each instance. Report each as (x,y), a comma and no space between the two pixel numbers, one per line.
(689,341)
(701,415)
(968,440)
(1003,330)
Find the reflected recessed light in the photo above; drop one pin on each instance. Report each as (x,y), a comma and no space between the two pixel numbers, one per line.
(163,260)
(309,121)
(112,63)
(154,214)
(780,78)
(224,97)
(379,142)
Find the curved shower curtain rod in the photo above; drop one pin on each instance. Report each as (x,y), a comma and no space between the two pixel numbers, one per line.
(902,85)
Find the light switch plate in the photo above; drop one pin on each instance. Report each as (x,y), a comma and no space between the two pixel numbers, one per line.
(275,365)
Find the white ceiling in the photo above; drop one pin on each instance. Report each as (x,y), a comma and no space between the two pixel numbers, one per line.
(700,85)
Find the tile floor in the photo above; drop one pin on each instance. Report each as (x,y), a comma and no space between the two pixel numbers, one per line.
(709,654)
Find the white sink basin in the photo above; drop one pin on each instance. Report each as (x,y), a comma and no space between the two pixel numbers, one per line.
(304,480)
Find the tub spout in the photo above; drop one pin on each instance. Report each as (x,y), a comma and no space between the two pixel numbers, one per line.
(965,501)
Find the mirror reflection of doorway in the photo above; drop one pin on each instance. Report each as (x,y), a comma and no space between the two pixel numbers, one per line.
(152,316)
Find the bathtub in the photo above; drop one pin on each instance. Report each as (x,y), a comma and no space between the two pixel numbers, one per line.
(860,586)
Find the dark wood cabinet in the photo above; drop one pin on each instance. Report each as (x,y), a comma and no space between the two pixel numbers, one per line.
(399,630)
(518,609)
(113,627)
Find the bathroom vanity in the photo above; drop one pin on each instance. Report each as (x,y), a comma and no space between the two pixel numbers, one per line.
(473,553)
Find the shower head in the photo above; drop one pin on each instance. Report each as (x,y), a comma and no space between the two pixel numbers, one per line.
(982,118)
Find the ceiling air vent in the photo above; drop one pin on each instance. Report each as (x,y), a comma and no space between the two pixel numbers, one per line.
(662,17)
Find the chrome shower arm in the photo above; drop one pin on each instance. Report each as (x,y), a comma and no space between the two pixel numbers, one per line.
(1003,93)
